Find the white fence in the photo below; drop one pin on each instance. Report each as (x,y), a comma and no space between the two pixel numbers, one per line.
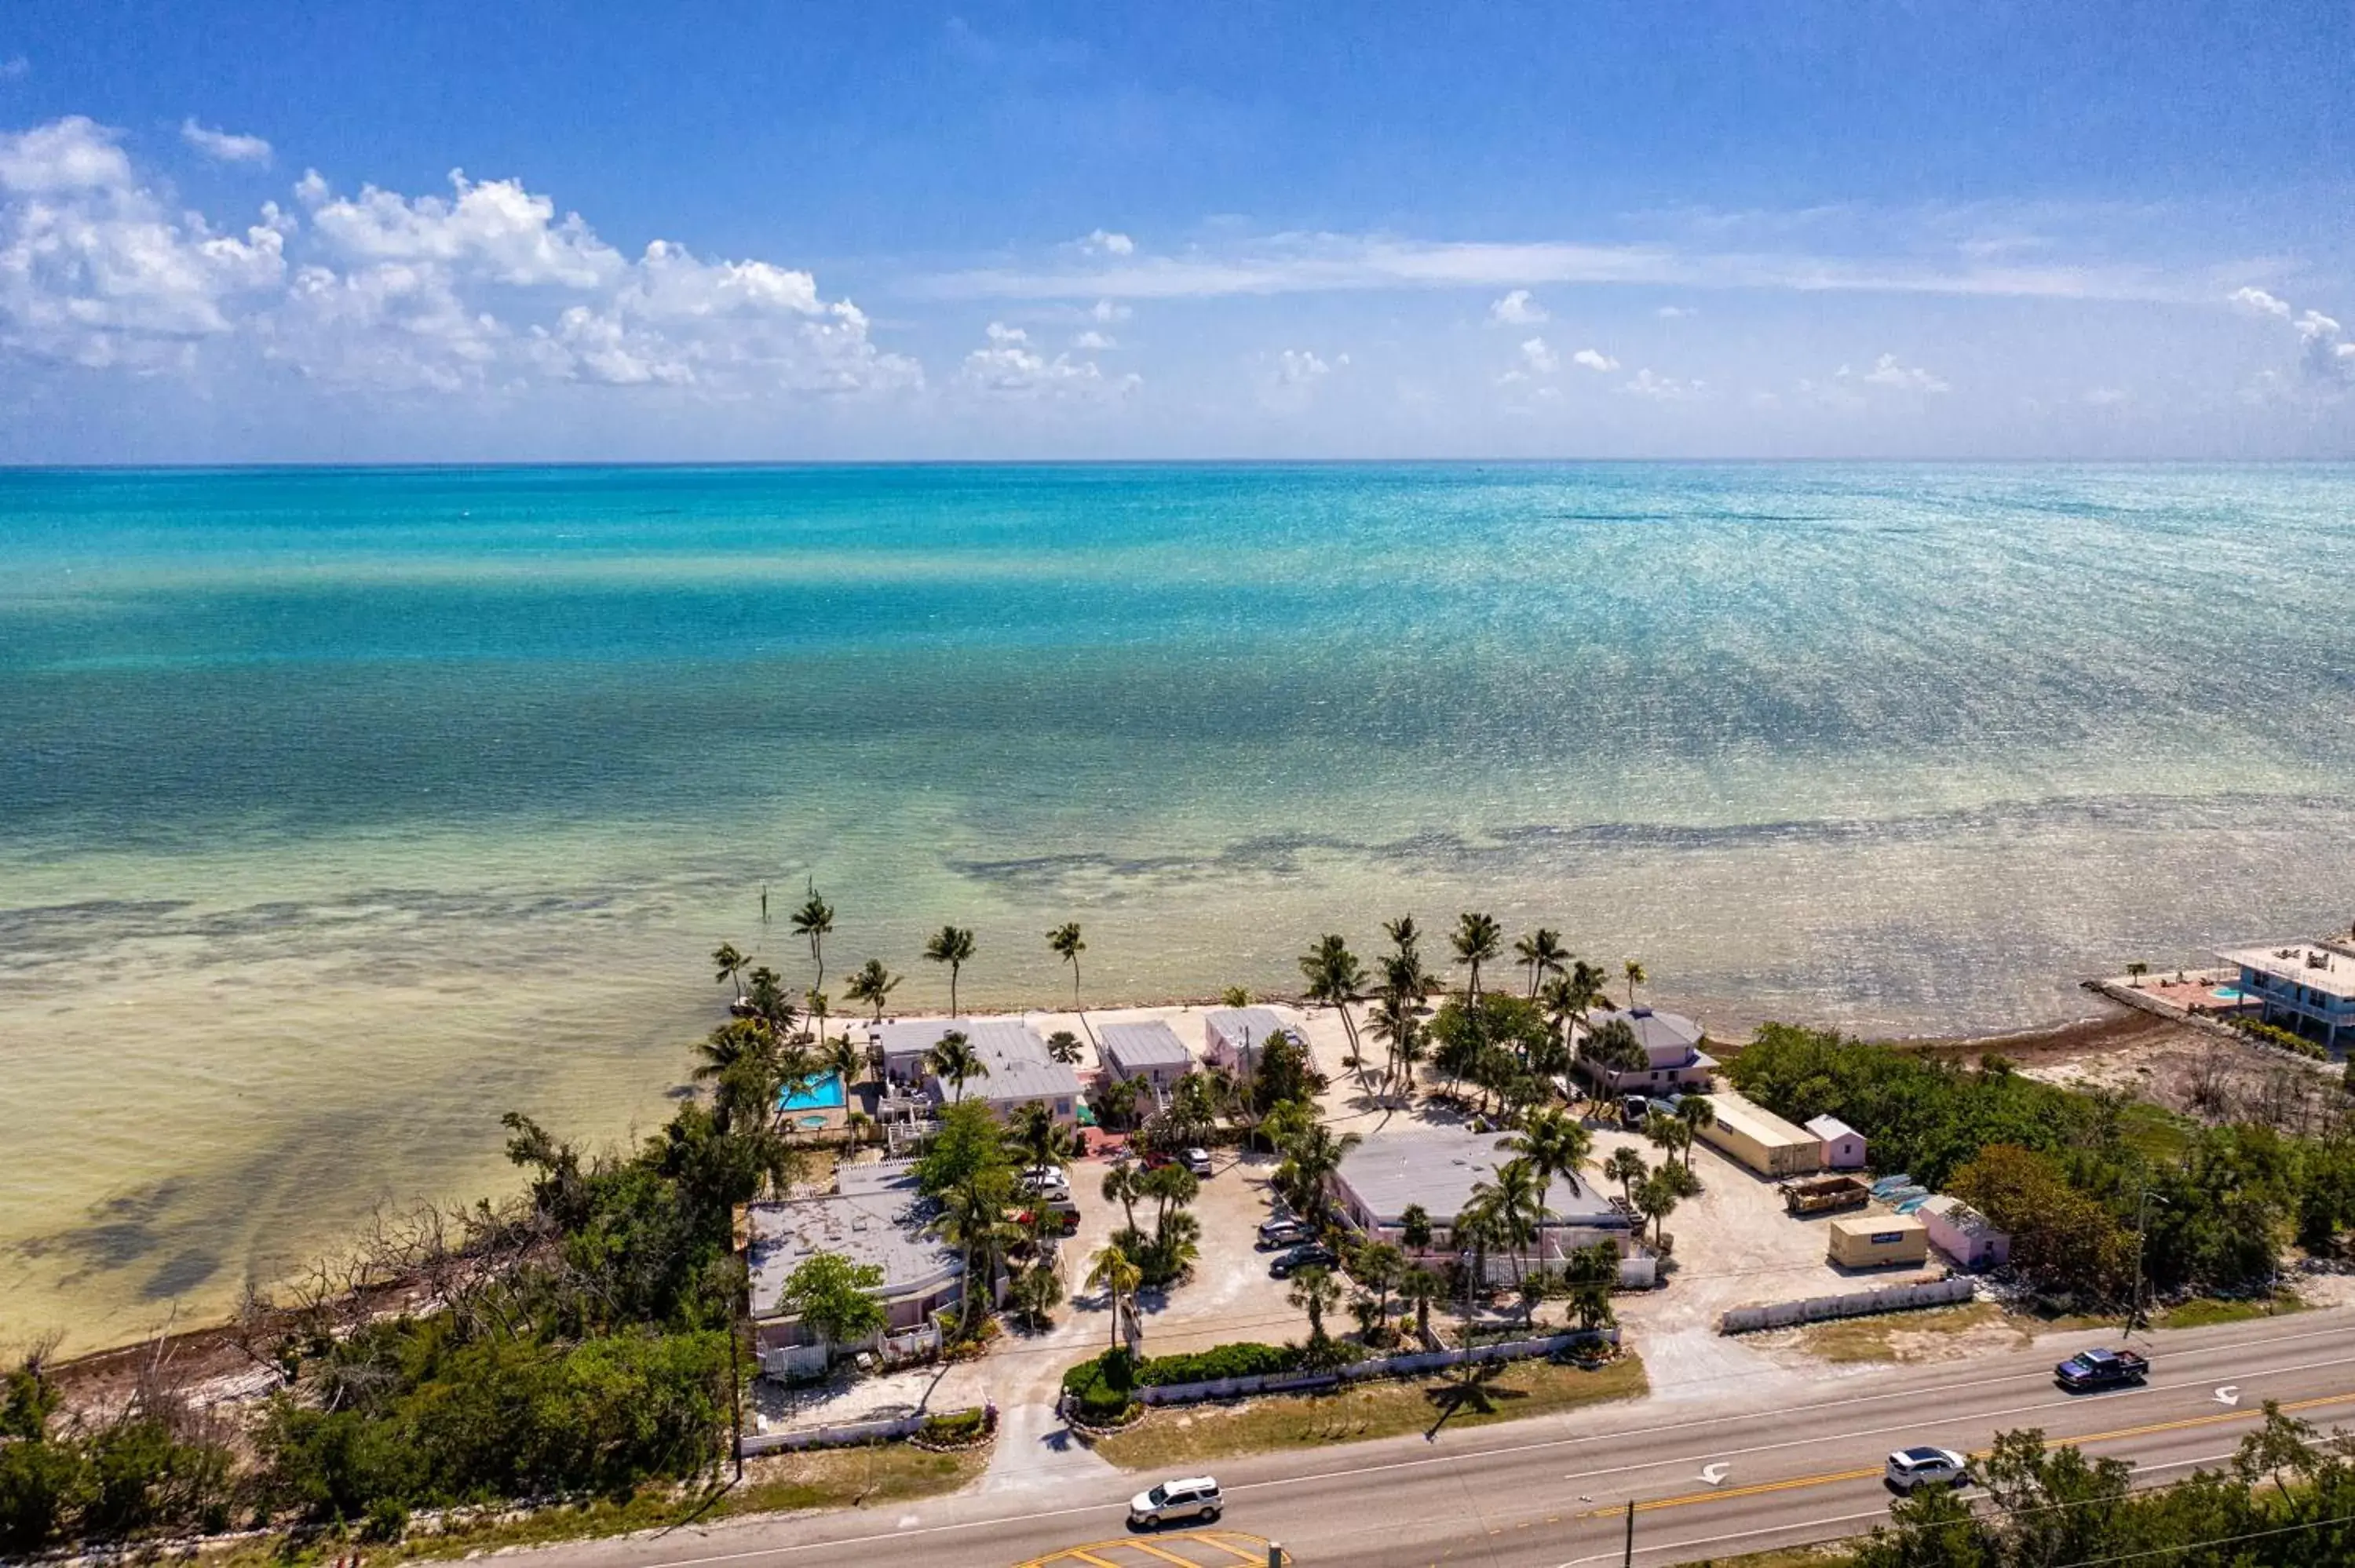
(847,1434)
(1382,1366)
(1820,1308)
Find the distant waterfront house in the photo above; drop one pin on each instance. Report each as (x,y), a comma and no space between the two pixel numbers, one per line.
(1438,1168)
(1759,1139)
(1844,1147)
(1674,1061)
(2307,987)
(875,1217)
(1965,1235)
(1147,1052)
(1233,1037)
(1022,1071)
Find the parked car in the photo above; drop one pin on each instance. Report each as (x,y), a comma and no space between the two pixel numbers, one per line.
(1047,1181)
(1283,1232)
(1634,1109)
(2090,1370)
(1197,1160)
(1912,1468)
(1190,1496)
(1315,1252)
(1061,1219)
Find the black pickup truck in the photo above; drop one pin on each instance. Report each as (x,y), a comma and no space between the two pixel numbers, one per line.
(2089,1370)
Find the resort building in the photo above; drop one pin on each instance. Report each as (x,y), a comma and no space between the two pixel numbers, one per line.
(1844,1147)
(1879,1241)
(1021,1070)
(1965,1235)
(2307,988)
(1759,1139)
(1233,1037)
(876,1215)
(1148,1052)
(1438,1169)
(1674,1062)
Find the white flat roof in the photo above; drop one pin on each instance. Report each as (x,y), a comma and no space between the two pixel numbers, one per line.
(1754,1121)
(1437,1166)
(1134,1047)
(2327,966)
(1829,1127)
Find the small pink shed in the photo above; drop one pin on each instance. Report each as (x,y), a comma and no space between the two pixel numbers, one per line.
(1965,1235)
(1843,1145)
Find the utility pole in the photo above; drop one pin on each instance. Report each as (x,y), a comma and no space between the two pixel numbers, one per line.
(2142,1228)
(1627,1558)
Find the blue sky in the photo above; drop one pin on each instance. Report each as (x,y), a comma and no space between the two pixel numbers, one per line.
(233,233)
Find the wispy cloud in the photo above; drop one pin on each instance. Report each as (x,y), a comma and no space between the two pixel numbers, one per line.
(1318,262)
(224,146)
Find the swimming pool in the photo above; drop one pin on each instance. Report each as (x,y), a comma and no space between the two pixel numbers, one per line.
(813,1095)
(2229,993)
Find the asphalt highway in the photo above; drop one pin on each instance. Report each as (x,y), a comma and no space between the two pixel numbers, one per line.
(1707,1478)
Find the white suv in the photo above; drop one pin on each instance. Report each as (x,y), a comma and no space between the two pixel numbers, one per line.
(1193,1496)
(1911,1467)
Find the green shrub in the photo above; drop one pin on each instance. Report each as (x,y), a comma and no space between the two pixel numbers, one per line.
(1220,1361)
(2287,1040)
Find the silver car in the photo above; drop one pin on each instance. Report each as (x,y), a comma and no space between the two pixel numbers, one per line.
(1188,1497)
(1910,1469)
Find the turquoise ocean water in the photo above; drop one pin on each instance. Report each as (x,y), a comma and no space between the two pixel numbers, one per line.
(342,809)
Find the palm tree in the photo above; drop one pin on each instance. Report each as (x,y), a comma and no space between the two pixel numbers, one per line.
(1335,979)
(1037,1139)
(953,946)
(1656,1200)
(1064,942)
(1379,1266)
(872,985)
(743,1039)
(1478,939)
(840,1056)
(1696,1112)
(729,963)
(1403,935)
(1542,954)
(1422,1287)
(1635,976)
(767,1000)
(814,920)
(1124,1184)
(1314,1289)
(1667,1133)
(1310,1159)
(1064,1047)
(1554,1146)
(956,1059)
(1516,1200)
(1393,1023)
(819,1004)
(1414,1228)
(973,1220)
(1626,1166)
(1111,1271)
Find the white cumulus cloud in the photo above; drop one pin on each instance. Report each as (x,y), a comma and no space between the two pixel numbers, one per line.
(224,146)
(1887,372)
(1094,342)
(1539,357)
(1007,365)
(2258,303)
(1594,359)
(1675,313)
(1665,388)
(1518,309)
(95,270)
(486,288)
(1103,242)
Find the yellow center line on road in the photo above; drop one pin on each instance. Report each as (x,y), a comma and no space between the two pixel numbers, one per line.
(1833,1478)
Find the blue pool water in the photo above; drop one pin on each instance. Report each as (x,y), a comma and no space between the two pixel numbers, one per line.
(822,1094)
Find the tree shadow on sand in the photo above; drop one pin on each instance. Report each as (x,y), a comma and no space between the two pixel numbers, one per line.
(1474,1391)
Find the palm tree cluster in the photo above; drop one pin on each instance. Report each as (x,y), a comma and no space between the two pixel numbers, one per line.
(1168,1252)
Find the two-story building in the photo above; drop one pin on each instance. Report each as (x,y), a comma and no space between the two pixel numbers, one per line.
(875,1217)
(1148,1052)
(1674,1061)
(2307,988)
(1439,1169)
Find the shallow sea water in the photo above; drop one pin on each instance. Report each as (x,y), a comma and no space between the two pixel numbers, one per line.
(341,810)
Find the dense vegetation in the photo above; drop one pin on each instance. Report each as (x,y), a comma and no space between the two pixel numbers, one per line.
(2073,1176)
(575,1341)
(2284,1503)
